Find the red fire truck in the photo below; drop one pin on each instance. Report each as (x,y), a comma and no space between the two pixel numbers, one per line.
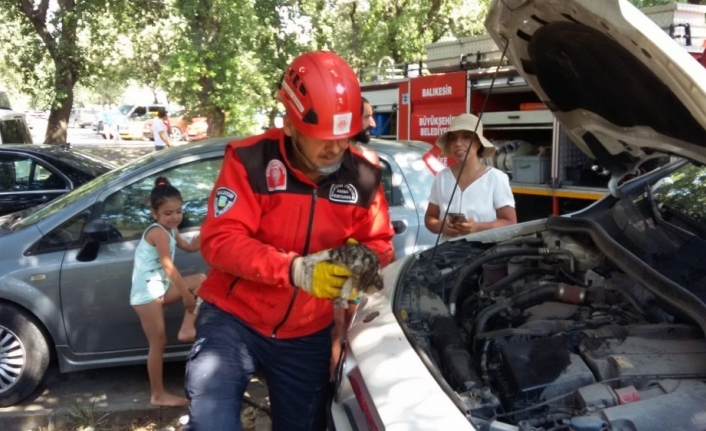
(549,174)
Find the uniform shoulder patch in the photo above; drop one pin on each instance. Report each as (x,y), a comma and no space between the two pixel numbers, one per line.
(276,174)
(225,198)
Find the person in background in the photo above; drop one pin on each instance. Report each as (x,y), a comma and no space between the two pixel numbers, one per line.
(111,126)
(483,199)
(363,137)
(282,201)
(160,130)
(156,282)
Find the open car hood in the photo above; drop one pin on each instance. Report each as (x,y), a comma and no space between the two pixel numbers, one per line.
(623,89)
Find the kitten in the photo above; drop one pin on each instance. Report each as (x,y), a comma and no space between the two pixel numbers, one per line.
(365,266)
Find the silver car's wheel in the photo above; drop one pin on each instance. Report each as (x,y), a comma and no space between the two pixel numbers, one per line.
(24,355)
(176,134)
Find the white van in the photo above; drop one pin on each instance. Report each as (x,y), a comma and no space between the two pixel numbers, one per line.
(13,128)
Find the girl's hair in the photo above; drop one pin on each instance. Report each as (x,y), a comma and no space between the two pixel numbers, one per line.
(162,191)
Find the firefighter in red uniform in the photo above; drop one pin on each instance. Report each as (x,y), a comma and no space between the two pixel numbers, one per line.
(280,198)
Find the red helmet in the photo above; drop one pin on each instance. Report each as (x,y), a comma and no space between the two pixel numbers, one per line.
(322,96)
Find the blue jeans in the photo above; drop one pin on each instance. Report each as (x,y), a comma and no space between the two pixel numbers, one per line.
(224,358)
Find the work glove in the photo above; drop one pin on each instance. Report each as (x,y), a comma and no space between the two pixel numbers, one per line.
(318,275)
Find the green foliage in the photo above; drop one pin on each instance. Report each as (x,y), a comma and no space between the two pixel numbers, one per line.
(220,57)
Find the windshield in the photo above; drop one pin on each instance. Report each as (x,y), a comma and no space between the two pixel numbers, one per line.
(14,131)
(664,225)
(67,199)
(125,109)
(4,101)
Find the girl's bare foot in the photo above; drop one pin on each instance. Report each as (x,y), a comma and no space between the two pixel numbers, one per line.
(168,400)
(187,334)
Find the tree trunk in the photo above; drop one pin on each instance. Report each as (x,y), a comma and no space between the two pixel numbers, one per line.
(58,123)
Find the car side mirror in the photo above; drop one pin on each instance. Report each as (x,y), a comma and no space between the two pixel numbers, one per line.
(96,231)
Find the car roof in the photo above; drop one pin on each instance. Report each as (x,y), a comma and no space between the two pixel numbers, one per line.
(70,157)
(397,146)
(8,114)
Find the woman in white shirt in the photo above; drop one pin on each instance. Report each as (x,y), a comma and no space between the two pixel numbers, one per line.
(483,199)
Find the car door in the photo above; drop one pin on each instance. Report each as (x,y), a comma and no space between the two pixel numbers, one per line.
(403,213)
(26,181)
(95,295)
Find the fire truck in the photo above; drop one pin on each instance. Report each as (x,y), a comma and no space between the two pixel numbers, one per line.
(548,173)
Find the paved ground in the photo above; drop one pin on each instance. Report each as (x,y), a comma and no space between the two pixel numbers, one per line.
(114,399)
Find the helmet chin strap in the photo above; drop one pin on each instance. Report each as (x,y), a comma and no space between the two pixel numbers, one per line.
(323,170)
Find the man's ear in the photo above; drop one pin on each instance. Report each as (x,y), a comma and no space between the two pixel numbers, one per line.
(287,126)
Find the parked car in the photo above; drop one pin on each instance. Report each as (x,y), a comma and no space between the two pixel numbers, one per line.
(31,175)
(590,321)
(131,119)
(97,123)
(82,117)
(5,100)
(14,128)
(197,129)
(177,126)
(183,125)
(65,268)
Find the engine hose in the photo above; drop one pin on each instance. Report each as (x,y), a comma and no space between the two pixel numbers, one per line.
(661,286)
(540,292)
(504,282)
(533,295)
(446,339)
(473,267)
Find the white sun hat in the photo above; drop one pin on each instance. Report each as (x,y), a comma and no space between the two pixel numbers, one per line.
(467,122)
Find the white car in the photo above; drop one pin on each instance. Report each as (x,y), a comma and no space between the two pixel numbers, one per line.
(14,128)
(589,322)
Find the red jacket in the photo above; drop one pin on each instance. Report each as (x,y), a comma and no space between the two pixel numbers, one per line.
(262,213)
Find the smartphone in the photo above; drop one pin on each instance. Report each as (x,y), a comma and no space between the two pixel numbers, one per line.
(456,217)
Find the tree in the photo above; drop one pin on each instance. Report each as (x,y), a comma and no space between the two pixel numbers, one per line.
(56,26)
(228,59)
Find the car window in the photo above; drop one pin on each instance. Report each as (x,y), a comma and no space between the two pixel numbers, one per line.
(4,100)
(66,235)
(139,111)
(15,131)
(393,194)
(128,210)
(21,173)
(684,192)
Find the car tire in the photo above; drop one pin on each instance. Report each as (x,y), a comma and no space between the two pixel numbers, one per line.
(24,355)
(176,134)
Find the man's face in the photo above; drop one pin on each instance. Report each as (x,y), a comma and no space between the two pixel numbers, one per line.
(316,153)
(368,124)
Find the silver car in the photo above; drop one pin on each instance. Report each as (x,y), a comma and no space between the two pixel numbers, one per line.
(65,269)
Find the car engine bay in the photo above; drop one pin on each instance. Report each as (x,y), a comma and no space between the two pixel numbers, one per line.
(559,329)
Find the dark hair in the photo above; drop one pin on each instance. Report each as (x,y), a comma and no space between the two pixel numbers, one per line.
(162,191)
(363,101)
(161,112)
